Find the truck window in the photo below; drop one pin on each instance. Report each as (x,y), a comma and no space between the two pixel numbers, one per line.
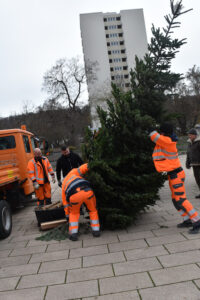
(26,144)
(7,142)
(33,143)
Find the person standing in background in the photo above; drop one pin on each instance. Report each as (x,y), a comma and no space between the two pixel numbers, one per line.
(193,155)
(66,162)
(38,169)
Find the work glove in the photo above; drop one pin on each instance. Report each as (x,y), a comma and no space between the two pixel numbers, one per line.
(53,179)
(36,185)
(60,183)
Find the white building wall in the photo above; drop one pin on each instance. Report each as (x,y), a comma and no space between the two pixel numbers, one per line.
(134,34)
(95,49)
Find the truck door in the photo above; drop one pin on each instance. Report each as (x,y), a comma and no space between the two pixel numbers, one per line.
(28,187)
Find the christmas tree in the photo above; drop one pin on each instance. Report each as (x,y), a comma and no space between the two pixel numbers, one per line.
(119,155)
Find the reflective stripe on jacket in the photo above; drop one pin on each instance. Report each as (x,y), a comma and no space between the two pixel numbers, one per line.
(73,177)
(35,170)
(165,154)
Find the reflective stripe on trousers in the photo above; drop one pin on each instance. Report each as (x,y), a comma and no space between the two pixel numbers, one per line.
(179,197)
(76,200)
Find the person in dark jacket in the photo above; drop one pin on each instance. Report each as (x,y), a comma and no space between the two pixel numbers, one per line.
(66,162)
(193,155)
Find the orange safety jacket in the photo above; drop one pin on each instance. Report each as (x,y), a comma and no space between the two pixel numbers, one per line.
(165,154)
(72,180)
(35,170)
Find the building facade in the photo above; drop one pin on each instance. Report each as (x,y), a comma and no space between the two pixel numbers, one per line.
(110,42)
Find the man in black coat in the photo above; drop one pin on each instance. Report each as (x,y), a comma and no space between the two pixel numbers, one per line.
(66,162)
(193,155)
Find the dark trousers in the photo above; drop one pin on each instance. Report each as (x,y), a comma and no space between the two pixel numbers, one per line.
(196,171)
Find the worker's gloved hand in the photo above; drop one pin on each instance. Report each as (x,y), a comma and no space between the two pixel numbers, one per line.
(53,179)
(67,218)
(36,185)
(60,183)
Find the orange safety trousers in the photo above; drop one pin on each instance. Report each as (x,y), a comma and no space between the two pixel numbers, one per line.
(184,207)
(75,202)
(43,194)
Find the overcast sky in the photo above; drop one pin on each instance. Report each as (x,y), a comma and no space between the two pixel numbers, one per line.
(36,33)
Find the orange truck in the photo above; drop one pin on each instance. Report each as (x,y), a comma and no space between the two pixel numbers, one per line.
(16,149)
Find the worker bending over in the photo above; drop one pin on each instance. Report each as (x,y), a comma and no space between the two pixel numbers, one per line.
(38,169)
(75,191)
(165,158)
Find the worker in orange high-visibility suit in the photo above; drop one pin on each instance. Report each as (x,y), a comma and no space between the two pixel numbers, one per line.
(38,169)
(75,191)
(165,158)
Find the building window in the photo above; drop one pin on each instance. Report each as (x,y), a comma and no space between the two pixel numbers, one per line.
(126,76)
(109,52)
(111,19)
(121,42)
(124,59)
(118,18)
(107,35)
(115,51)
(111,69)
(113,77)
(119,26)
(112,26)
(123,51)
(108,44)
(117,59)
(125,68)
(127,84)
(119,76)
(113,34)
(110,60)
(118,68)
(106,27)
(121,34)
(105,19)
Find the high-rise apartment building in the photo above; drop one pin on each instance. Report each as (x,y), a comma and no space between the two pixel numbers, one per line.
(110,42)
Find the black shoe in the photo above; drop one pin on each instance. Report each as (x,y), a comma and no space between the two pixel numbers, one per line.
(74,237)
(195,229)
(197,197)
(186,223)
(96,233)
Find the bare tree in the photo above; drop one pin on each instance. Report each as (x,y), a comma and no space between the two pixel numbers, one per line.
(193,77)
(65,81)
(185,102)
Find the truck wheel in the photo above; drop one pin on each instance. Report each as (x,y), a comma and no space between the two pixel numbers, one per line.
(5,219)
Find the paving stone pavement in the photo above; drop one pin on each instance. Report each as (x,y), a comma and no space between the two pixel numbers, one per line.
(150,260)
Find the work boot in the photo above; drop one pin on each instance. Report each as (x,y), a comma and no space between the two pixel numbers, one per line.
(74,237)
(197,197)
(195,229)
(96,233)
(186,223)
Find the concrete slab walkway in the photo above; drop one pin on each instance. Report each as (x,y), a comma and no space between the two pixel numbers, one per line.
(151,260)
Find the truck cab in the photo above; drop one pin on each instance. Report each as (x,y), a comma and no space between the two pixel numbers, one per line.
(16,149)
